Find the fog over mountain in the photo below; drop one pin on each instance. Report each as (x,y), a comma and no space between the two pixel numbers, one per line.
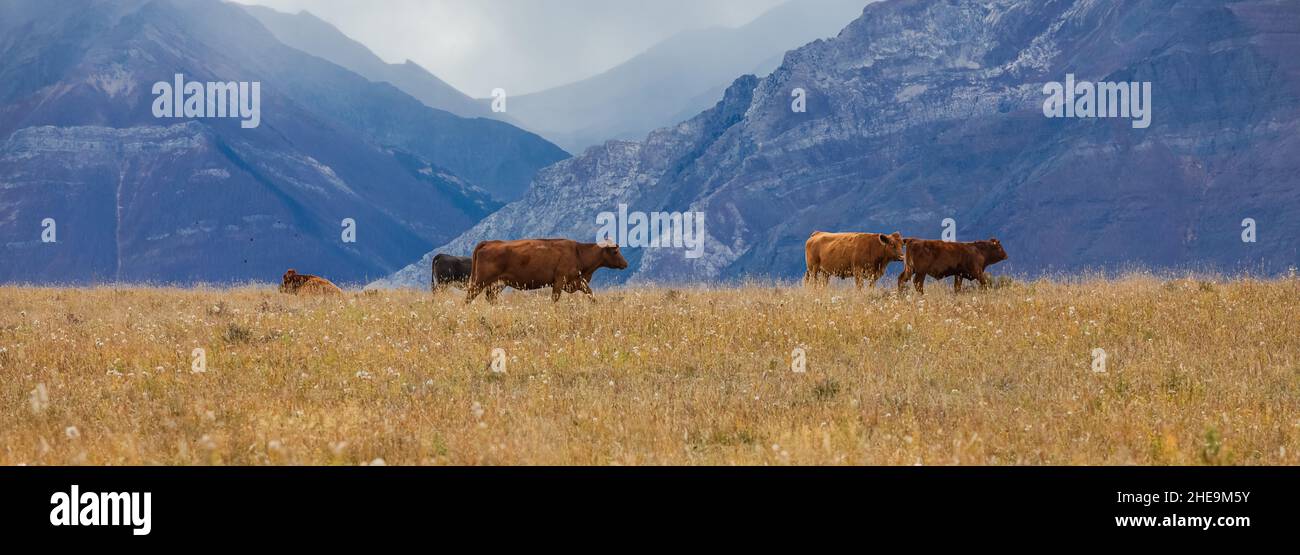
(676,78)
(523,46)
(919,112)
(310,34)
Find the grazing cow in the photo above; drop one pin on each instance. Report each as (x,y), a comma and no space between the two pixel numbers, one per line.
(561,264)
(295,283)
(855,255)
(939,259)
(450,271)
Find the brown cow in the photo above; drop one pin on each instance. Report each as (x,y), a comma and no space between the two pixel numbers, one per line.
(561,264)
(855,255)
(940,259)
(295,283)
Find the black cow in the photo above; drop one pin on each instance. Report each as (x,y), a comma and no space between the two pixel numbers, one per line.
(450,270)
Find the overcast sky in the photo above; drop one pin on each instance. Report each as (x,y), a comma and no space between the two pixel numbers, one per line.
(520,45)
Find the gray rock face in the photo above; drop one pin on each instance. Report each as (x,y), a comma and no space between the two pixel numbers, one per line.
(173,200)
(922,111)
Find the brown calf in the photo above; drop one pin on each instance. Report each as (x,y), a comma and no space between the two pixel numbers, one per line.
(940,259)
(295,283)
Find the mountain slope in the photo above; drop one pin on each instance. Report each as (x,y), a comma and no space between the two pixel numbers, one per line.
(138,198)
(922,111)
(681,75)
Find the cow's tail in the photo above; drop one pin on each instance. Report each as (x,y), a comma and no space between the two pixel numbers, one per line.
(476,285)
(474,265)
(811,262)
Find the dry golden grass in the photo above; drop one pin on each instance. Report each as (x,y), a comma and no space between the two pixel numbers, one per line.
(1198,373)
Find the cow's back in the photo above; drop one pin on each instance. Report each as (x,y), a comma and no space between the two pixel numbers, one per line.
(454,268)
(523,263)
(938,258)
(309,285)
(320,286)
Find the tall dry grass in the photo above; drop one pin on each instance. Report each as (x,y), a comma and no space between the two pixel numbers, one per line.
(1197,373)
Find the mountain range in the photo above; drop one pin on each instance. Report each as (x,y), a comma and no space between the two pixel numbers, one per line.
(922,116)
(132,197)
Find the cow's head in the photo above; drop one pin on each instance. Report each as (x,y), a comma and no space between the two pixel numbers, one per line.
(994,252)
(893,245)
(611,256)
(288,283)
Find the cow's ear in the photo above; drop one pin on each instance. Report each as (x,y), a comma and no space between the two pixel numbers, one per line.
(993,240)
(898,235)
(884,239)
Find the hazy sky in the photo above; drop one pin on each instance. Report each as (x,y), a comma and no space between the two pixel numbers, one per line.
(520,45)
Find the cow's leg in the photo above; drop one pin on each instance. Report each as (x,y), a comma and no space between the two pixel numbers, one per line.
(919,281)
(813,263)
(857,279)
(493,291)
(956,284)
(814,277)
(586,289)
(903,277)
(472,292)
(983,279)
(557,289)
(817,278)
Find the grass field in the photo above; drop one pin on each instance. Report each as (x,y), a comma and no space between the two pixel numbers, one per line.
(1196,373)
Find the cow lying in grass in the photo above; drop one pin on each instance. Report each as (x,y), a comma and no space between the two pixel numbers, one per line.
(295,283)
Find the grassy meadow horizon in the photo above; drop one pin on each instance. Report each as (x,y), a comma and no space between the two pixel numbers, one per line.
(1137,370)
